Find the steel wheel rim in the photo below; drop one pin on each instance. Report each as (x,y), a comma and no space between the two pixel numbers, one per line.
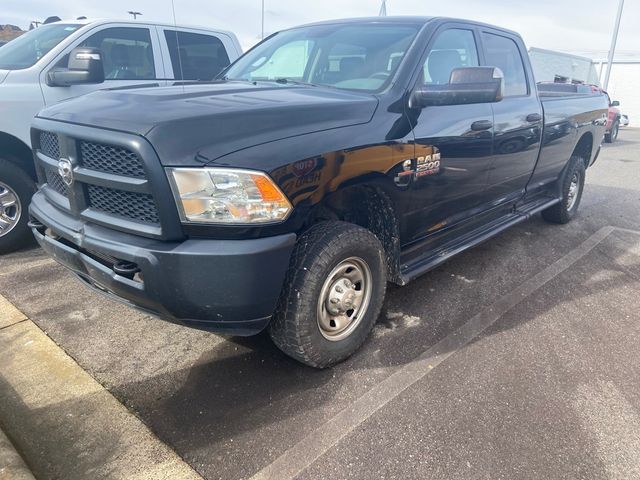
(574,188)
(10,209)
(344,299)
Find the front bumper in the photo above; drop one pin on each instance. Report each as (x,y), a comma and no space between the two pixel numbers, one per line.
(227,286)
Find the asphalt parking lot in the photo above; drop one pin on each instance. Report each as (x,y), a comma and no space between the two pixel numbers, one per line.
(517,359)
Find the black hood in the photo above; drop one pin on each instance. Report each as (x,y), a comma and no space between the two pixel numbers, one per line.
(200,123)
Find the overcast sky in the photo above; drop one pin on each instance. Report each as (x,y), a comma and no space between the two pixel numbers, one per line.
(569,25)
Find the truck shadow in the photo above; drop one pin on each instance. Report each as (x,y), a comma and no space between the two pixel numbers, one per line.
(244,397)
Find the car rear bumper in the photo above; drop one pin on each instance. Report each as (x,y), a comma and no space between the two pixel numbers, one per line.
(227,286)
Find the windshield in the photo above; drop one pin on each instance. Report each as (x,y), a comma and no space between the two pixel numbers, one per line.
(26,50)
(348,56)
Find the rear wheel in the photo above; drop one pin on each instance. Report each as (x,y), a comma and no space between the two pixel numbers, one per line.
(16,190)
(332,296)
(572,186)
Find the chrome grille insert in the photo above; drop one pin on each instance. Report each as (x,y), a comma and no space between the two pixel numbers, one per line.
(49,144)
(54,180)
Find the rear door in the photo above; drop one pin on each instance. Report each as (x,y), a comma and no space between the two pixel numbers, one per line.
(453,142)
(192,54)
(131,56)
(517,117)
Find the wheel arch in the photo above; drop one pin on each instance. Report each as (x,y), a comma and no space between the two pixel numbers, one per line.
(19,153)
(584,148)
(368,202)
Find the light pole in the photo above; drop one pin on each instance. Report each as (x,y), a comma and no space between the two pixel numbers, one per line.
(262,34)
(134,14)
(612,50)
(383,9)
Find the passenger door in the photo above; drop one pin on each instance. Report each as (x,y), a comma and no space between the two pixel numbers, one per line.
(195,55)
(517,118)
(130,55)
(453,142)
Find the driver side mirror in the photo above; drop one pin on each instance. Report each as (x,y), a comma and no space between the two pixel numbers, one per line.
(84,67)
(466,85)
(615,103)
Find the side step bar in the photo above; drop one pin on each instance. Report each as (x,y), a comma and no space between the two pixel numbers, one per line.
(471,239)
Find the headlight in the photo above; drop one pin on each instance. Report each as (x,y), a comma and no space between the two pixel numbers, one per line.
(221,195)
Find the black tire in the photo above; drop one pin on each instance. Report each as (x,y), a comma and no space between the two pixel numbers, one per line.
(23,186)
(296,326)
(612,136)
(567,209)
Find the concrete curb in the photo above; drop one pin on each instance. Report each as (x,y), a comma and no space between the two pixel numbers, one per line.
(65,424)
(12,467)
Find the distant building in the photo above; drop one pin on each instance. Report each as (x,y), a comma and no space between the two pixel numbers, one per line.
(9,32)
(624,83)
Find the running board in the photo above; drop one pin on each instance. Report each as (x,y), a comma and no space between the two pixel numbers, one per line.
(434,258)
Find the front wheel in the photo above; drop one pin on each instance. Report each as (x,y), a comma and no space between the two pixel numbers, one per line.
(332,295)
(572,186)
(16,190)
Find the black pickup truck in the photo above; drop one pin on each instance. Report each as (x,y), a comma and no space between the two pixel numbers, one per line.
(327,161)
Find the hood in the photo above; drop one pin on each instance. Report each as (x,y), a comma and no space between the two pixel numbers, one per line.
(200,123)
(3,74)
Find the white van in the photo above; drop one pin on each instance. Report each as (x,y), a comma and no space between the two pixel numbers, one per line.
(133,53)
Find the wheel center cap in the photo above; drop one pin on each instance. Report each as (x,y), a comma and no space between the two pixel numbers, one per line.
(342,296)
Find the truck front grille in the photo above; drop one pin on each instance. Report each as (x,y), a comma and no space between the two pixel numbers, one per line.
(110,184)
(110,159)
(49,145)
(136,206)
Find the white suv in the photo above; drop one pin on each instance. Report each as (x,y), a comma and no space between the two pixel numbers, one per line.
(132,53)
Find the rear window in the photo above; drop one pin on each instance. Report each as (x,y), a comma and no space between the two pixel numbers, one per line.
(195,56)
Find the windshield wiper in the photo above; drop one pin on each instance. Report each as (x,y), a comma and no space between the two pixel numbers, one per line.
(228,79)
(285,81)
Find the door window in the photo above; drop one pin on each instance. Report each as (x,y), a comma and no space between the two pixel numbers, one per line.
(502,52)
(127,53)
(195,56)
(453,48)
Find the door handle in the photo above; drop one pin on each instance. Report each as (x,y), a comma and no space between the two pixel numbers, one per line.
(480,125)
(534,117)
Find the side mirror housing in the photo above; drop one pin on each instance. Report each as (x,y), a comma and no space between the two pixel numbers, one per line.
(466,85)
(85,67)
(615,103)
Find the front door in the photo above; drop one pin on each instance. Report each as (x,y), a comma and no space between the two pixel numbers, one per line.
(129,55)
(453,143)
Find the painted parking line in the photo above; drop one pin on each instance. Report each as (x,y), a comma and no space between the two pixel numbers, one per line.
(300,456)
(65,423)
(9,315)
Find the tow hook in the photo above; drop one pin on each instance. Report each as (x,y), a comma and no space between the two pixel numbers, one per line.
(126,269)
(33,223)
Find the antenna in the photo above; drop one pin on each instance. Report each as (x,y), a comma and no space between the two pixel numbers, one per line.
(134,14)
(175,25)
